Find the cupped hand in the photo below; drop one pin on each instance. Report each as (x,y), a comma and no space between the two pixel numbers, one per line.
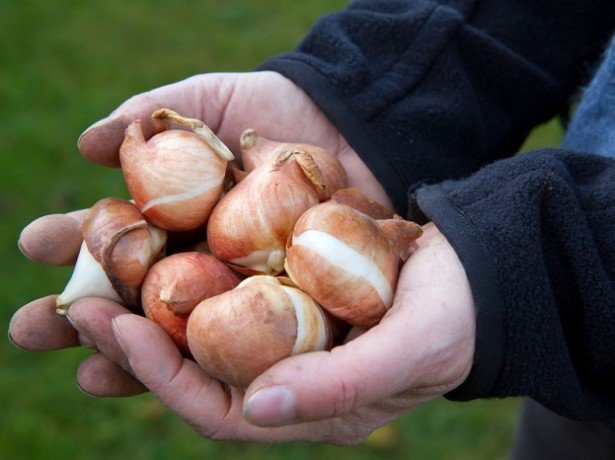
(229,103)
(421,349)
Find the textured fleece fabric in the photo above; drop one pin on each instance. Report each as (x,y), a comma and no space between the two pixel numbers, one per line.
(542,225)
(431,90)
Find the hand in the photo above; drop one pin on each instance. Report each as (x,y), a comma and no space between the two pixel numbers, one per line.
(421,349)
(358,387)
(229,104)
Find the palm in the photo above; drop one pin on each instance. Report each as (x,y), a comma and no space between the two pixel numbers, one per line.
(267,102)
(275,107)
(229,104)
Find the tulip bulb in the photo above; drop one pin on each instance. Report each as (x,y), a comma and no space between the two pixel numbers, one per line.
(238,335)
(117,250)
(249,226)
(255,149)
(176,177)
(402,233)
(355,199)
(175,285)
(347,262)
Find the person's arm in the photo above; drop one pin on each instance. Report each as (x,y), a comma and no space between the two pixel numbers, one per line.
(536,237)
(417,352)
(427,90)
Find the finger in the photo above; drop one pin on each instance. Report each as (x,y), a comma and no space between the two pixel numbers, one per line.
(100,143)
(214,410)
(100,377)
(92,317)
(37,327)
(178,382)
(318,386)
(54,239)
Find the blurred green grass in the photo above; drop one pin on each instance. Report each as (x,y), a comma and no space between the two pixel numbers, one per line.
(63,65)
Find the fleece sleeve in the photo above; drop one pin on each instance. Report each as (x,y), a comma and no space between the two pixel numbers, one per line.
(536,236)
(426,90)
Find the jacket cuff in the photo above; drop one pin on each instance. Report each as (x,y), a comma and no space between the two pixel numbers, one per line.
(486,288)
(356,132)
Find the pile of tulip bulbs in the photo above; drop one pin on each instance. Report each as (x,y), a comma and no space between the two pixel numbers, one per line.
(241,263)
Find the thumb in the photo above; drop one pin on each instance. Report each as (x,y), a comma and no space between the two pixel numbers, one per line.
(321,385)
(423,347)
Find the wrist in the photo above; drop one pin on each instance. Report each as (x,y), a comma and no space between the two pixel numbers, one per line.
(485,287)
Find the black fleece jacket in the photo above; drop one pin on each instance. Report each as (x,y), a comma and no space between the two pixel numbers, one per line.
(429,91)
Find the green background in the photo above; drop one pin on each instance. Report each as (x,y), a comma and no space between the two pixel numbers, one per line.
(65,64)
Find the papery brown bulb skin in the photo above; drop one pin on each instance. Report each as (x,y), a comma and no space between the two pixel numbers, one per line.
(343,260)
(118,248)
(355,199)
(124,259)
(255,149)
(403,234)
(118,236)
(175,285)
(175,178)
(248,228)
(238,335)
(173,324)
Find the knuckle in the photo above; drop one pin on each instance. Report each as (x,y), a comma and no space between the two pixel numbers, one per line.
(346,397)
(212,426)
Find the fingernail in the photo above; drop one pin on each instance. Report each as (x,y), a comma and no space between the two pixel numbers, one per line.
(83,391)
(89,129)
(70,321)
(15,344)
(21,246)
(271,406)
(84,339)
